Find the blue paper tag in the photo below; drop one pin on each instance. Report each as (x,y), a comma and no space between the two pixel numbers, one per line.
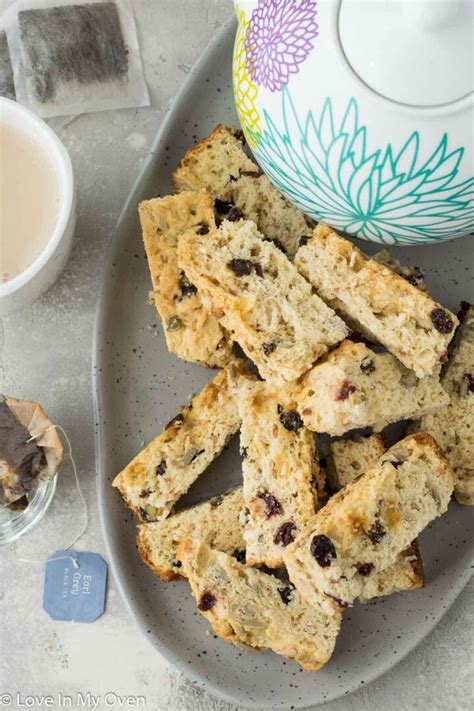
(74,586)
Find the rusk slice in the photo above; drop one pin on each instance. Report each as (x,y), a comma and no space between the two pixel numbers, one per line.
(453,426)
(219,164)
(154,481)
(349,459)
(216,520)
(261,299)
(353,387)
(364,527)
(191,332)
(280,474)
(377,301)
(247,606)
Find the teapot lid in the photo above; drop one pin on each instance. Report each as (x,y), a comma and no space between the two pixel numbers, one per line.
(416,52)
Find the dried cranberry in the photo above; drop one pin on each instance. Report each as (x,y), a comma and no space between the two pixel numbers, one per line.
(252,173)
(468,381)
(290,419)
(343,605)
(345,390)
(367,366)
(366,569)
(322,549)
(285,534)
(223,206)
(206,601)
(160,468)
(272,505)
(276,242)
(178,420)
(240,556)
(268,348)
(304,239)
(442,321)
(244,267)
(376,532)
(203,228)
(235,214)
(286,593)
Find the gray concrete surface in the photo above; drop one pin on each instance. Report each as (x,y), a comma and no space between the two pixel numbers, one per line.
(46,355)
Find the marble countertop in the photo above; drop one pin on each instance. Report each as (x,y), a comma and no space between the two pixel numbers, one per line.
(45,355)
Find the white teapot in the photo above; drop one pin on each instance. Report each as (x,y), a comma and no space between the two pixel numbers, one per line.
(360,111)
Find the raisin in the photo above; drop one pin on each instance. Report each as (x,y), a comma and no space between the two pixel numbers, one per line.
(286,593)
(252,173)
(290,419)
(239,135)
(240,556)
(322,549)
(144,493)
(216,501)
(442,321)
(285,534)
(464,307)
(268,348)
(376,532)
(416,276)
(367,366)
(178,420)
(223,206)
(206,601)
(467,383)
(244,452)
(304,239)
(244,267)
(160,468)
(235,214)
(203,228)
(366,569)
(343,605)
(187,289)
(345,390)
(177,564)
(272,505)
(276,242)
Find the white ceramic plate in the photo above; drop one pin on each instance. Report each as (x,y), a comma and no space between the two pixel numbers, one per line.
(138,388)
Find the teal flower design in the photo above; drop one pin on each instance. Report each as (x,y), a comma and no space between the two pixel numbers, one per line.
(386,196)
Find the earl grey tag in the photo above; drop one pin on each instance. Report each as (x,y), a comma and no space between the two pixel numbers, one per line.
(74,586)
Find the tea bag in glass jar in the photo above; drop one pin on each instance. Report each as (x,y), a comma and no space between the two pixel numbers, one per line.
(30,450)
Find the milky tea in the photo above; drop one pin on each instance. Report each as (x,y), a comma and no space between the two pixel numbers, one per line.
(29,201)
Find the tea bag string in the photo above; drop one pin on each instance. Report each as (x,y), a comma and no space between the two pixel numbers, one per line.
(79,491)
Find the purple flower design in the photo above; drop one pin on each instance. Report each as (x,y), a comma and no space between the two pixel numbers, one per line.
(279,37)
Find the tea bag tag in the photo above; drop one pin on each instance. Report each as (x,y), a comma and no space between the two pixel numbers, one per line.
(74,586)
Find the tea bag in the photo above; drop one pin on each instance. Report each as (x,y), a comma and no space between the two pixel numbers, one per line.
(72,57)
(7,86)
(30,450)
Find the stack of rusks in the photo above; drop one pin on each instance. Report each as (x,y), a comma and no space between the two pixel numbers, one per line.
(339,342)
